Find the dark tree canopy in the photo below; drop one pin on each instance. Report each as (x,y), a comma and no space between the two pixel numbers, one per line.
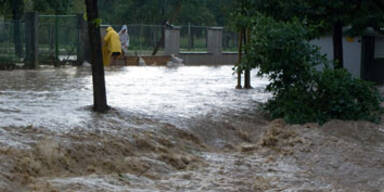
(196,12)
(319,16)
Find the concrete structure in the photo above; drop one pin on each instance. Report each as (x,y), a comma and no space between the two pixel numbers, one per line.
(215,40)
(172,41)
(379,47)
(205,58)
(215,54)
(363,56)
(351,50)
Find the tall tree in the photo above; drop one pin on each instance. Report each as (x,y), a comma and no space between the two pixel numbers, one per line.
(336,14)
(241,16)
(99,92)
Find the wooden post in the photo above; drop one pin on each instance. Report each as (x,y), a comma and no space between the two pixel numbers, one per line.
(31,40)
(98,79)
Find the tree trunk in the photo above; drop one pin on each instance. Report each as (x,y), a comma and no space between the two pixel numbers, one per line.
(17,11)
(368,58)
(170,21)
(338,44)
(247,72)
(240,55)
(98,79)
(161,41)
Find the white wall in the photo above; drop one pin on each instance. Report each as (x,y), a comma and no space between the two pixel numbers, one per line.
(379,47)
(352,52)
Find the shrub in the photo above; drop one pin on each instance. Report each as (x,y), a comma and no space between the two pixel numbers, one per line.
(300,93)
(341,96)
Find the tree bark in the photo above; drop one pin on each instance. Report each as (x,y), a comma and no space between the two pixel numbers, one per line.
(338,44)
(98,79)
(247,72)
(367,58)
(169,21)
(240,55)
(17,12)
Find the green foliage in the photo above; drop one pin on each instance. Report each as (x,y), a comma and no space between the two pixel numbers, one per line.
(317,15)
(300,93)
(196,12)
(341,96)
(53,6)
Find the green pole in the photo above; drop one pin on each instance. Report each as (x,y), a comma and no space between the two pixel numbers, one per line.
(141,37)
(56,38)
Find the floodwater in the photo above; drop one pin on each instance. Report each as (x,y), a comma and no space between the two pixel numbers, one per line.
(171,129)
(60,98)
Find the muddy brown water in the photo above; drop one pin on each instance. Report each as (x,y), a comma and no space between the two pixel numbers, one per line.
(171,129)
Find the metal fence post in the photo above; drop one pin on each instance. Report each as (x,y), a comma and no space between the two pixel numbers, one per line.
(189,37)
(57,39)
(32,40)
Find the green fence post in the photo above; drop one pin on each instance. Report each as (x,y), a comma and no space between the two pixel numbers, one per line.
(32,40)
(189,37)
(56,38)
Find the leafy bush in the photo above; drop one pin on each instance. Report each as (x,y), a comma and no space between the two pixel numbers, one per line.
(301,93)
(341,96)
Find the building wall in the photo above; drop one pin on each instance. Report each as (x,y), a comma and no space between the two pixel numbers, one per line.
(379,47)
(352,52)
(209,59)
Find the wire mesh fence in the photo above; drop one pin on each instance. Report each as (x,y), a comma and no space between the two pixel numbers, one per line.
(58,38)
(193,38)
(12,41)
(230,41)
(143,39)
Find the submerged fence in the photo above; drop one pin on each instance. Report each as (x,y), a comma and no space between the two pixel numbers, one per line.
(144,38)
(63,39)
(57,39)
